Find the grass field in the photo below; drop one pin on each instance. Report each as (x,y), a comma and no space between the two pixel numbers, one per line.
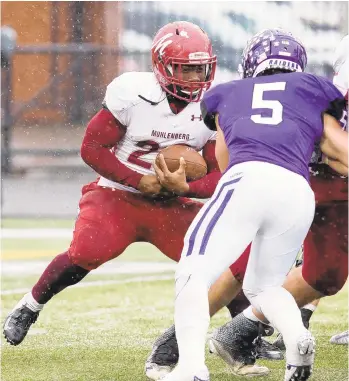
(104,331)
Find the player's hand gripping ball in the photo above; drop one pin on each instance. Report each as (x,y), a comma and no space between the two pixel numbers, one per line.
(196,167)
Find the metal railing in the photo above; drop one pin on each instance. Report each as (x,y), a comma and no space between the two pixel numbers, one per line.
(78,109)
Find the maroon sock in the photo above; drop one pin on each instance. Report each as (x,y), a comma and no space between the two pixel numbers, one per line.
(238,304)
(59,274)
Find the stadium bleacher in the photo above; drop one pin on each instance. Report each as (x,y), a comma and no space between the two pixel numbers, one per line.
(230,24)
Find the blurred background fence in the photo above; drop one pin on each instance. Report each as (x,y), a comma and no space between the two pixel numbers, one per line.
(57,58)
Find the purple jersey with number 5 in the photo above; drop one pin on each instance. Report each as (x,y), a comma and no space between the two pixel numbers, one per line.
(275,118)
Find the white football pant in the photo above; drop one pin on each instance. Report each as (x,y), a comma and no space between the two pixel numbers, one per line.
(256,202)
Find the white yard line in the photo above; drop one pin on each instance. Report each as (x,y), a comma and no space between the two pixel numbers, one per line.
(31,267)
(96,283)
(34,267)
(36,233)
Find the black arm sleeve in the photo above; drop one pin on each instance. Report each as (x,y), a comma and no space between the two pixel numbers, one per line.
(336,108)
(209,118)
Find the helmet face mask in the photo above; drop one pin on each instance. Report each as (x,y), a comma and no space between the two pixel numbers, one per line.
(177,47)
(272,49)
(189,80)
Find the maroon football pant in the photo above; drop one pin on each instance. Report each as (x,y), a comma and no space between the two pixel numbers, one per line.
(110,220)
(325,258)
(325,263)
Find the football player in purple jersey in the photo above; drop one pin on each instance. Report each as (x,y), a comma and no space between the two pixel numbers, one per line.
(268,126)
(324,270)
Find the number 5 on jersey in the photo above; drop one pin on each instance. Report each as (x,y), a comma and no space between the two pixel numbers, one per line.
(259,102)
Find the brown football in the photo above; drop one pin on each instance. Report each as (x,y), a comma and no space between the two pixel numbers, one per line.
(196,165)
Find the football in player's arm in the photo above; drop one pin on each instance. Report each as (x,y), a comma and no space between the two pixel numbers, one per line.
(104,132)
(143,113)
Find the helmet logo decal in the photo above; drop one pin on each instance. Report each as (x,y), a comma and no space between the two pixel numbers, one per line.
(162,43)
(184,33)
(261,58)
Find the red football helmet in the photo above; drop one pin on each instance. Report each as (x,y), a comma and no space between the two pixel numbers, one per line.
(181,44)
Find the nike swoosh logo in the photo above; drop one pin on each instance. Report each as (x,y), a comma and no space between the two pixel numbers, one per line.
(199,379)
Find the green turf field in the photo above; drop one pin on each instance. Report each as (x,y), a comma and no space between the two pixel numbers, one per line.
(104,332)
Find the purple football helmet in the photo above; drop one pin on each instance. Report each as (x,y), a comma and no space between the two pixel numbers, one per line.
(272,49)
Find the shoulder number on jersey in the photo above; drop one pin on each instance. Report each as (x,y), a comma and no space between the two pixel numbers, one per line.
(147,146)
